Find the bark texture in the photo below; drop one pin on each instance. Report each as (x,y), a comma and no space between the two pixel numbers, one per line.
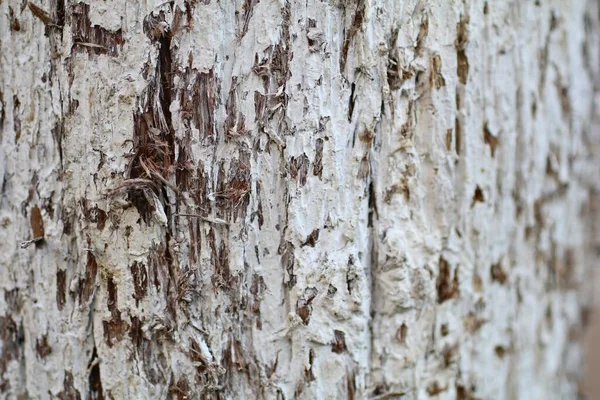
(281,199)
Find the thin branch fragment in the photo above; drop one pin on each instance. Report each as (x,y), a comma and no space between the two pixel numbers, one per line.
(41,14)
(96,46)
(126,184)
(26,243)
(203,218)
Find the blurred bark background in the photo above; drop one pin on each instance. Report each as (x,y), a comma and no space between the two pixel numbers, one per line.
(281,199)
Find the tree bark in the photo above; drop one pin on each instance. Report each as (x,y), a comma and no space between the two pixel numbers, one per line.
(284,199)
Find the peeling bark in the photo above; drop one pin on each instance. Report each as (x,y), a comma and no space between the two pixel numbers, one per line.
(262,199)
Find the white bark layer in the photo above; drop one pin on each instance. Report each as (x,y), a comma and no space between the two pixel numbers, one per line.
(276,199)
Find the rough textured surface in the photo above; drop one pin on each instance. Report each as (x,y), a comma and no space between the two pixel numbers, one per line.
(283,199)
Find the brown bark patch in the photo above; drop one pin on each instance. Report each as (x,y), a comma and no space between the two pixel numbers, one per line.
(153,134)
(286,250)
(136,334)
(478,196)
(233,187)
(500,351)
(198,101)
(244,19)
(87,284)
(180,390)
(16,117)
(447,286)
(339,342)
(448,139)
(139,277)
(490,139)
(434,388)
(235,122)
(352,31)
(42,347)
(309,376)
(61,288)
(115,328)
(303,307)
(40,14)
(58,11)
(351,101)
(457,130)
(69,392)
(259,208)
(94,378)
(221,277)
(444,330)
(436,79)
(351,385)
(401,187)
(11,336)
(464,393)
(15,26)
(462,38)
(93,39)
(311,239)
(57,134)
(423,34)
(402,333)
(318,163)
(498,274)
(184,166)
(2,109)
(99,216)
(477,283)
(256,290)
(233,359)
(37,223)
(472,322)
(449,354)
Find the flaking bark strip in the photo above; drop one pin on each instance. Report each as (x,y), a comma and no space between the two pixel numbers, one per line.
(61,288)
(114,328)
(447,286)
(462,38)
(37,225)
(42,347)
(95,391)
(489,139)
(139,276)
(92,39)
(87,284)
(299,168)
(198,101)
(244,18)
(318,162)
(351,34)
(41,14)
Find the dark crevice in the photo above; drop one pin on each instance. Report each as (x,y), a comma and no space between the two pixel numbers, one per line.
(88,38)
(153,156)
(351,102)
(59,12)
(166,83)
(94,379)
(372,204)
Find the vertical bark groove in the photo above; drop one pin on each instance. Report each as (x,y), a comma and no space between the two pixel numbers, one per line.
(296,200)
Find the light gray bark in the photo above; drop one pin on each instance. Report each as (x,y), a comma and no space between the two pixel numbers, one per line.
(284,199)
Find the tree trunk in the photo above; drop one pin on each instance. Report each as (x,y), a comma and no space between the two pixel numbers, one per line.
(284,199)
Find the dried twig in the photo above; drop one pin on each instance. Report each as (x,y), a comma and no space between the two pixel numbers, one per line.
(126,184)
(26,243)
(96,46)
(41,14)
(152,173)
(203,218)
